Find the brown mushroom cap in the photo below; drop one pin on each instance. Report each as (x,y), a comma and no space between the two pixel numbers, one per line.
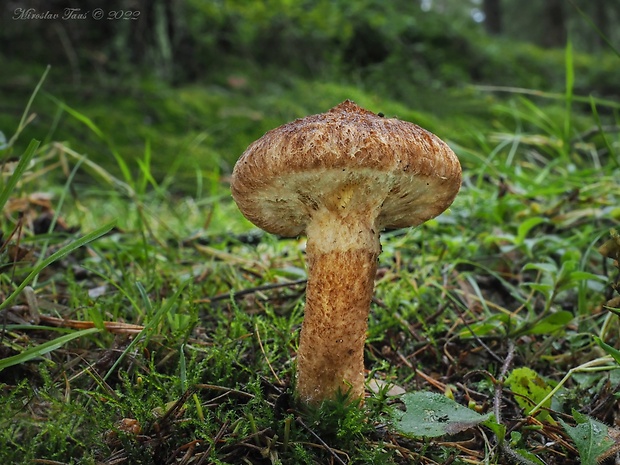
(314,162)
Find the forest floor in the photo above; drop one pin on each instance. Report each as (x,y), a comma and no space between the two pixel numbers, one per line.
(144,320)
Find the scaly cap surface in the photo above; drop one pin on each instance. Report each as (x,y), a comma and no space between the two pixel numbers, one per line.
(347,159)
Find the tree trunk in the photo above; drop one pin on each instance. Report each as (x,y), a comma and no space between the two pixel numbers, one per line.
(493,16)
(555,20)
(601,18)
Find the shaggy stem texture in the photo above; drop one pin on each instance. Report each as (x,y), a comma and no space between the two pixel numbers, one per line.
(342,254)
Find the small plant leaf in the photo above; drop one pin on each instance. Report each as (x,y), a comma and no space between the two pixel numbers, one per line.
(526,226)
(498,429)
(529,456)
(24,161)
(552,323)
(549,268)
(430,415)
(529,390)
(42,349)
(489,325)
(590,437)
(516,443)
(612,351)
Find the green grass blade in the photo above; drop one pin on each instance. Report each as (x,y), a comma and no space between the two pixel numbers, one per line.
(613,352)
(570,84)
(44,348)
(112,282)
(146,177)
(23,121)
(29,327)
(24,161)
(182,368)
(595,27)
(147,332)
(58,209)
(100,172)
(95,129)
(538,117)
(145,298)
(599,124)
(548,95)
(85,120)
(97,233)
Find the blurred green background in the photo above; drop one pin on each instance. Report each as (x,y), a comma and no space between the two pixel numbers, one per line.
(198,80)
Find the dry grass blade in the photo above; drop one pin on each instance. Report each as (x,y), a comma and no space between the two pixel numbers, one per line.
(115,327)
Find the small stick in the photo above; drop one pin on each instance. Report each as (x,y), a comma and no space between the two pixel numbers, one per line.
(317,437)
(252,290)
(226,390)
(497,398)
(216,439)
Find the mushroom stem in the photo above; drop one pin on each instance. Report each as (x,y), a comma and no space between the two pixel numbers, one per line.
(342,252)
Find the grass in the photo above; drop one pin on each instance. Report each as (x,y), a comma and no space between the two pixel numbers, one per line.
(170,337)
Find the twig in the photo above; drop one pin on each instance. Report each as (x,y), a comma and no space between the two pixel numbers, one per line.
(48,462)
(474,335)
(177,405)
(318,438)
(497,397)
(226,390)
(251,290)
(16,231)
(497,404)
(216,439)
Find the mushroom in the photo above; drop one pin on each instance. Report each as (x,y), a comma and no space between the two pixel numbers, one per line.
(341,177)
